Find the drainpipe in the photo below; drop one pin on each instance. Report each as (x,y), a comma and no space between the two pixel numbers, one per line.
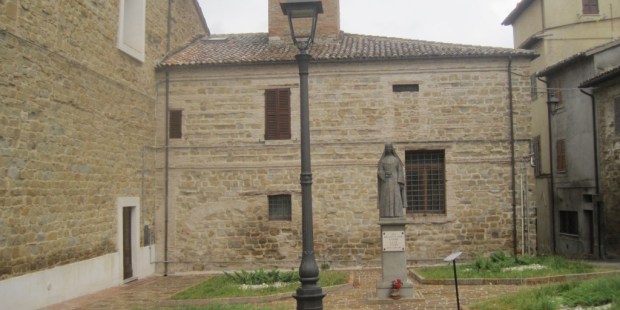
(512,159)
(597,203)
(552,175)
(167,143)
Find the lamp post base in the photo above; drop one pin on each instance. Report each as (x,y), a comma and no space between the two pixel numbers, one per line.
(310,298)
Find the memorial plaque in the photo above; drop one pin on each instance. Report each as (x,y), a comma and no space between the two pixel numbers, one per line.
(393,241)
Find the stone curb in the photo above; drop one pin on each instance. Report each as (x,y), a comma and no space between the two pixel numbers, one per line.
(520,281)
(245,300)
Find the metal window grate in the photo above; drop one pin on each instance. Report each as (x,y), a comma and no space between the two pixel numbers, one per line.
(280,207)
(537,158)
(426,190)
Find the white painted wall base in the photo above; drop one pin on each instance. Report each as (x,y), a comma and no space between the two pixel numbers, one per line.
(48,287)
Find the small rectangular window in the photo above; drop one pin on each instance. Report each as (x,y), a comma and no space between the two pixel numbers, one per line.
(402,88)
(569,222)
(534,87)
(617,115)
(280,208)
(278,114)
(426,186)
(175,124)
(560,156)
(131,28)
(590,6)
(554,93)
(537,159)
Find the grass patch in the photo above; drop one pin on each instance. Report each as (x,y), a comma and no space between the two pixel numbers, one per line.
(223,286)
(495,267)
(590,293)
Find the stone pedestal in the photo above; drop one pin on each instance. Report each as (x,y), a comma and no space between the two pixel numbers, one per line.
(393,258)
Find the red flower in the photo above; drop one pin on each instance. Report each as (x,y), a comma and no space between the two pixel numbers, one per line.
(397,284)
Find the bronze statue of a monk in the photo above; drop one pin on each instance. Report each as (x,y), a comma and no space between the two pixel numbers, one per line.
(391,191)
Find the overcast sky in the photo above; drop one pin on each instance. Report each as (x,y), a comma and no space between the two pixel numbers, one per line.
(475,22)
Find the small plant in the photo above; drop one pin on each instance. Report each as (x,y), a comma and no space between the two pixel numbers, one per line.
(325,266)
(261,276)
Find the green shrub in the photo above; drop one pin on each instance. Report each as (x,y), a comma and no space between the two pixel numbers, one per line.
(261,276)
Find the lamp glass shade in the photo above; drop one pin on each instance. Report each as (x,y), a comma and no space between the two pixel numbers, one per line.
(302,16)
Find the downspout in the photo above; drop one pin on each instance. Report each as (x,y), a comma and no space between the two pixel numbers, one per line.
(597,203)
(512,159)
(552,173)
(167,143)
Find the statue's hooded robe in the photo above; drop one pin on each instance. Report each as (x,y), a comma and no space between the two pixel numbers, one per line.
(391,191)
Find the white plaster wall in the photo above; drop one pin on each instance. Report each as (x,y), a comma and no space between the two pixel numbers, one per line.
(48,287)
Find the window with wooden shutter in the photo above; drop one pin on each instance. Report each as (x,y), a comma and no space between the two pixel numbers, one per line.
(277,114)
(560,156)
(590,6)
(175,124)
(617,115)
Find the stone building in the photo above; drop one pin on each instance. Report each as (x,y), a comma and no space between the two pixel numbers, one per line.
(78,93)
(606,89)
(556,30)
(458,116)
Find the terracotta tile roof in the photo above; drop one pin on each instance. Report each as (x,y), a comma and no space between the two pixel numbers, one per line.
(254,48)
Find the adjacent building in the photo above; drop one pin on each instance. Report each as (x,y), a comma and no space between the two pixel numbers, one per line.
(580,212)
(557,30)
(605,87)
(458,116)
(78,93)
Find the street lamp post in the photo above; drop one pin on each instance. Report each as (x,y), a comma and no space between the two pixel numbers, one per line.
(304,14)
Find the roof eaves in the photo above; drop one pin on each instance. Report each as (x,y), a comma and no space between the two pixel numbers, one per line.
(601,78)
(561,64)
(521,6)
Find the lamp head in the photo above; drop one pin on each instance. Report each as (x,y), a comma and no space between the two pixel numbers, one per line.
(302,17)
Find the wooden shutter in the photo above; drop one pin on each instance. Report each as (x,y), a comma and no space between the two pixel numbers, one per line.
(590,6)
(175,123)
(617,115)
(277,114)
(560,149)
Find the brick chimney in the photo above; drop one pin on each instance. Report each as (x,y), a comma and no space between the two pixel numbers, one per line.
(328,23)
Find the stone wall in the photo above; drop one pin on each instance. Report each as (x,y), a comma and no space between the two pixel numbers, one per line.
(222,170)
(609,163)
(75,117)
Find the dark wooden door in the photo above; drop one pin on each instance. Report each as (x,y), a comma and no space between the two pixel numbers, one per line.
(127,267)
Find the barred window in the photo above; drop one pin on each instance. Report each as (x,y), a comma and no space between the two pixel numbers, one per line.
(534,87)
(426,187)
(590,6)
(280,207)
(537,158)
